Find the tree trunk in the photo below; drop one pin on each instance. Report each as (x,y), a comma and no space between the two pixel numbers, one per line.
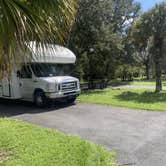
(158,76)
(147,70)
(158,56)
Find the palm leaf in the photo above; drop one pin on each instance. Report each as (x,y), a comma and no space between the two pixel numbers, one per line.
(22,21)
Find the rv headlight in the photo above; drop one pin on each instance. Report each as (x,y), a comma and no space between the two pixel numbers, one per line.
(50,87)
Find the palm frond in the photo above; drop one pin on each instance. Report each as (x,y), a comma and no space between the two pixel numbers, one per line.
(22,21)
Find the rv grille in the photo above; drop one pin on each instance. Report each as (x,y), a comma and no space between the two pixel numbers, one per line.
(69,86)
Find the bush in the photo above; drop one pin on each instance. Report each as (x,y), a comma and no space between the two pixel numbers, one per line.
(128,72)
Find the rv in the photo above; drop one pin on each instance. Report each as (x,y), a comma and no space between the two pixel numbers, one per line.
(46,77)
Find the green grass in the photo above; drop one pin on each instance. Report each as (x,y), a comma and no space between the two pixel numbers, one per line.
(23,144)
(131,98)
(136,82)
(146,83)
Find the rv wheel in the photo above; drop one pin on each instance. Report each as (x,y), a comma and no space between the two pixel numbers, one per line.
(40,99)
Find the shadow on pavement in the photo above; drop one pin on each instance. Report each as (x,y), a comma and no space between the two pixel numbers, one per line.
(9,108)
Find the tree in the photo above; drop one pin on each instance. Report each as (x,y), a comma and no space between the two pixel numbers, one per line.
(123,14)
(142,49)
(100,25)
(22,21)
(152,25)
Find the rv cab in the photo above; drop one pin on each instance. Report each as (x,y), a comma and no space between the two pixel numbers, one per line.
(46,77)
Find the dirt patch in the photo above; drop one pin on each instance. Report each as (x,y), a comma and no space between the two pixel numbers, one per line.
(4,155)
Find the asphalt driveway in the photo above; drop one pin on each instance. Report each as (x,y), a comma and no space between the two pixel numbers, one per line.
(138,137)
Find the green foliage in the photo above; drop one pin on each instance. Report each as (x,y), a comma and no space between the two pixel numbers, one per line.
(128,72)
(97,36)
(31,145)
(22,21)
(151,26)
(130,98)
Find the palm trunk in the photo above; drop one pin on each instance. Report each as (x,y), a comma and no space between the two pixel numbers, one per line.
(147,71)
(158,56)
(158,76)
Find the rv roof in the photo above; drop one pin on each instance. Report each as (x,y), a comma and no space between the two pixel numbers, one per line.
(51,54)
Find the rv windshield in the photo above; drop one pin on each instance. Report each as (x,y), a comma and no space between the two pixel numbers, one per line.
(49,70)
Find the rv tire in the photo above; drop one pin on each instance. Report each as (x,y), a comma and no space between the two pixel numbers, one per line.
(40,99)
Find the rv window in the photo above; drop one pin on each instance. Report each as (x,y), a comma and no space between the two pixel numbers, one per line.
(49,70)
(25,72)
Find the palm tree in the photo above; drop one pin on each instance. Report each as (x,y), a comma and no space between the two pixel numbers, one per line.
(22,21)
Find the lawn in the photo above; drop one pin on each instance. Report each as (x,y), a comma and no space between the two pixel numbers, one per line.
(23,144)
(135,82)
(146,83)
(131,98)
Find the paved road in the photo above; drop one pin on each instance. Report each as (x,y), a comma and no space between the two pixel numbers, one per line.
(137,136)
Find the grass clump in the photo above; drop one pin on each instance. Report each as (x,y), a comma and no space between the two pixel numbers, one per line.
(24,144)
(131,98)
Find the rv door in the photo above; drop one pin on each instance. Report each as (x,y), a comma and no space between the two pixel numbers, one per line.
(26,83)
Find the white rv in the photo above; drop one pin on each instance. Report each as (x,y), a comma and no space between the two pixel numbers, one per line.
(45,77)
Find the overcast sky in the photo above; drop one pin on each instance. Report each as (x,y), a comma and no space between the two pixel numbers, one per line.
(147,4)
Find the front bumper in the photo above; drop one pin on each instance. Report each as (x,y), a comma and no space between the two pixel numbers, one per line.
(58,95)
